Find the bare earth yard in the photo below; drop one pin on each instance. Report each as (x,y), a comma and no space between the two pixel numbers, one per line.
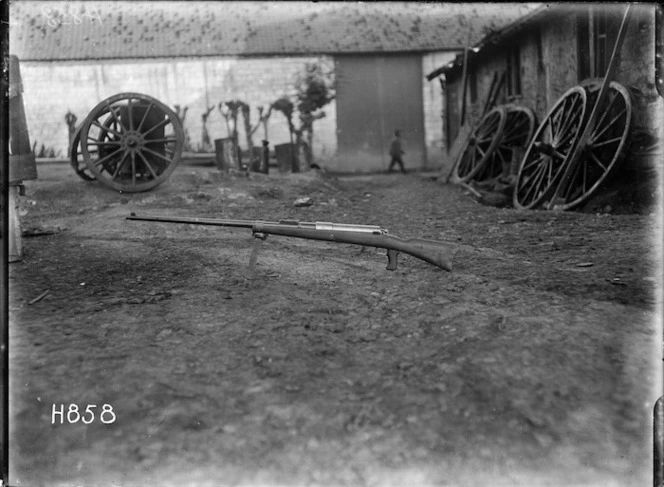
(519,367)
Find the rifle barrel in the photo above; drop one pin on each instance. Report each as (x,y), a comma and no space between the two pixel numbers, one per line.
(260,225)
(195,221)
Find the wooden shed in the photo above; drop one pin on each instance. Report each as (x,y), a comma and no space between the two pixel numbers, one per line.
(545,53)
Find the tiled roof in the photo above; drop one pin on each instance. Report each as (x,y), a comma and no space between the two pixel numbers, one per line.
(144,29)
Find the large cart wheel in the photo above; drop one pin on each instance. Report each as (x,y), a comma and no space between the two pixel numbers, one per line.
(131,142)
(76,158)
(480,145)
(548,151)
(519,127)
(604,149)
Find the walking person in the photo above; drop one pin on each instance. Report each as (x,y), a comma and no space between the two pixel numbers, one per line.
(396,151)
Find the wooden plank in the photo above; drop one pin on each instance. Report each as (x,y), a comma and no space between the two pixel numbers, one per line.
(491,102)
(464,83)
(492,87)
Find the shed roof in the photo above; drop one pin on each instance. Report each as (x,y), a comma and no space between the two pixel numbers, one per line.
(52,31)
(537,15)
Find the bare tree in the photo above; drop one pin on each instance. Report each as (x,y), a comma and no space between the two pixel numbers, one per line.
(206,144)
(182,115)
(70,120)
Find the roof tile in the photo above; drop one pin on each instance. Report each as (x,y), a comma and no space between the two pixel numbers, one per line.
(66,30)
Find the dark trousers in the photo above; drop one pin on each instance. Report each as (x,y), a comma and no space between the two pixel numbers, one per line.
(396,160)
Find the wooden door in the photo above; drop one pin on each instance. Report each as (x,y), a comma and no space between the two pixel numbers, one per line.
(377,95)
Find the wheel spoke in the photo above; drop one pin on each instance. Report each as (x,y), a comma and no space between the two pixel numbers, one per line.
(499,154)
(573,114)
(537,161)
(130,115)
(597,161)
(119,166)
(605,142)
(568,185)
(466,162)
(568,124)
(566,138)
(605,111)
(165,140)
(106,129)
(157,154)
(155,127)
(105,158)
(532,178)
(148,165)
(617,117)
(513,137)
(133,167)
(555,121)
(487,128)
(559,155)
(534,183)
(585,173)
(145,115)
(115,116)
(110,142)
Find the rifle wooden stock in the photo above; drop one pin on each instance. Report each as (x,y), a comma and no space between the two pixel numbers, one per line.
(431,251)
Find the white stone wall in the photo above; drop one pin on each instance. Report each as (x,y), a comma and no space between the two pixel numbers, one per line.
(52,89)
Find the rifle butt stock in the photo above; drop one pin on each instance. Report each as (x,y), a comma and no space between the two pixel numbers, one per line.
(436,253)
(432,251)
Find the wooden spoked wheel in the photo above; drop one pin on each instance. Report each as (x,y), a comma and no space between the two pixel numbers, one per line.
(481,144)
(550,148)
(76,158)
(602,152)
(131,142)
(519,127)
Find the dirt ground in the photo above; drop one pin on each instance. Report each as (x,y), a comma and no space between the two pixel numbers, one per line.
(533,362)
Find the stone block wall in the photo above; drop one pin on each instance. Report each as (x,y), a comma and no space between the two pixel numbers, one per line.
(53,89)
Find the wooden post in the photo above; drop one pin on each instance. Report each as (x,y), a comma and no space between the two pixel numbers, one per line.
(266,157)
(226,154)
(22,164)
(15,246)
(464,84)
(285,157)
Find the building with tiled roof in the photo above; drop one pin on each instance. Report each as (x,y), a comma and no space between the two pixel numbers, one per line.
(50,31)
(199,53)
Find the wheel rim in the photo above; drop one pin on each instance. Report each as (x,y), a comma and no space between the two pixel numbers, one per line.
(131,142)
(76,158)
(604,149)
(519,128)
(548,151)
(480,145)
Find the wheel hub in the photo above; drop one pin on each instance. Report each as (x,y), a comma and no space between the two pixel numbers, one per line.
(132,141)
(545,148)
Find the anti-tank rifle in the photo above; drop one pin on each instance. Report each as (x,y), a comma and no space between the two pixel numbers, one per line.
(431,251)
